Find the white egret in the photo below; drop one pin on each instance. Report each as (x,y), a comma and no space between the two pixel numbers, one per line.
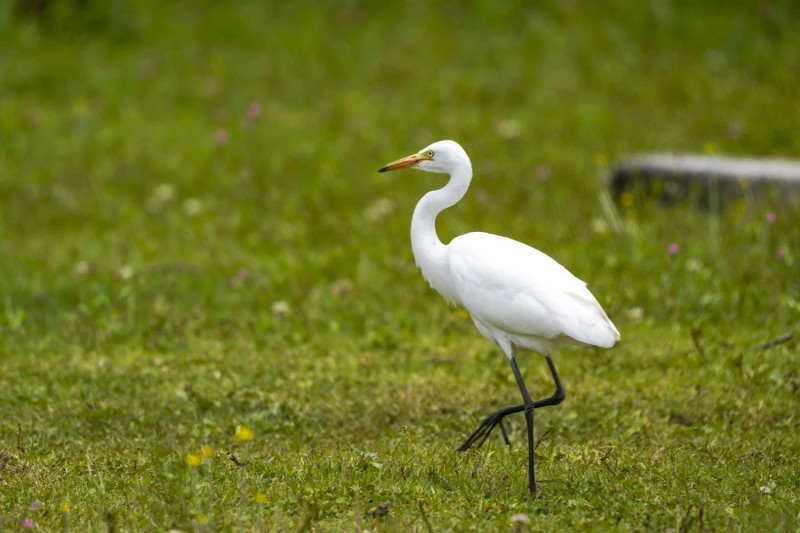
(517,296)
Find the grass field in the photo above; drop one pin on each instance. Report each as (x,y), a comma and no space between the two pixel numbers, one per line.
(210,317)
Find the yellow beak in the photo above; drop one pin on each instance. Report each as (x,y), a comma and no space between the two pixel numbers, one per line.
(406,162)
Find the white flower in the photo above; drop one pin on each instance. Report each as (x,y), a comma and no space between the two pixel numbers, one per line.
(81,268)
(192,207)
(280,309)
(379,209)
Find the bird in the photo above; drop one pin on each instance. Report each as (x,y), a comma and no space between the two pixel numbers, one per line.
(518,297)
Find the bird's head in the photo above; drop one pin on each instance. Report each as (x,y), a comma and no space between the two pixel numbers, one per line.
(441,157)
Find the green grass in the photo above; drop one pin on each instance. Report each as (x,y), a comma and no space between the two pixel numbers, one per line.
(180,262)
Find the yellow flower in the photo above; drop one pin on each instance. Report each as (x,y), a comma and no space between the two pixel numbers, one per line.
(260,498)
(202,518)
(243,434)
(709,148)
(193,460)
(206,452)
(65,507)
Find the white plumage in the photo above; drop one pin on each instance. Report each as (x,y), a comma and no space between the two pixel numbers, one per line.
(516,292)
(516,295)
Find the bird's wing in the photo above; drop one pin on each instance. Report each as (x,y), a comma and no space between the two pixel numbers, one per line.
(523,292)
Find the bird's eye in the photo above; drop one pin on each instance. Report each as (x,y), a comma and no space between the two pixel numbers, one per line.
(430,154)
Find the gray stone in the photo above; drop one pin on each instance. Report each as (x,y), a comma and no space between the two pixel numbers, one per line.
(707,180)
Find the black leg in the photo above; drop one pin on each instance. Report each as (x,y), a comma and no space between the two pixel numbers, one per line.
(487,426)
(528,403)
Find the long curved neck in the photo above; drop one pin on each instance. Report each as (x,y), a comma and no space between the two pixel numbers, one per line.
(429,251)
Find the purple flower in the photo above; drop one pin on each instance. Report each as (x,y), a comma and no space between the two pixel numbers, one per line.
(543,172)
(780,254)
(27,523)
(673,248)
(35,505)
(254,110)
(221,136)
(771,217)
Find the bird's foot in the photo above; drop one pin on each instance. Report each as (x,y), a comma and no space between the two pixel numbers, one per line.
(487,426)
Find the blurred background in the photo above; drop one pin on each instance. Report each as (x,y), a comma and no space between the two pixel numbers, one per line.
(199,256)
(185,165)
